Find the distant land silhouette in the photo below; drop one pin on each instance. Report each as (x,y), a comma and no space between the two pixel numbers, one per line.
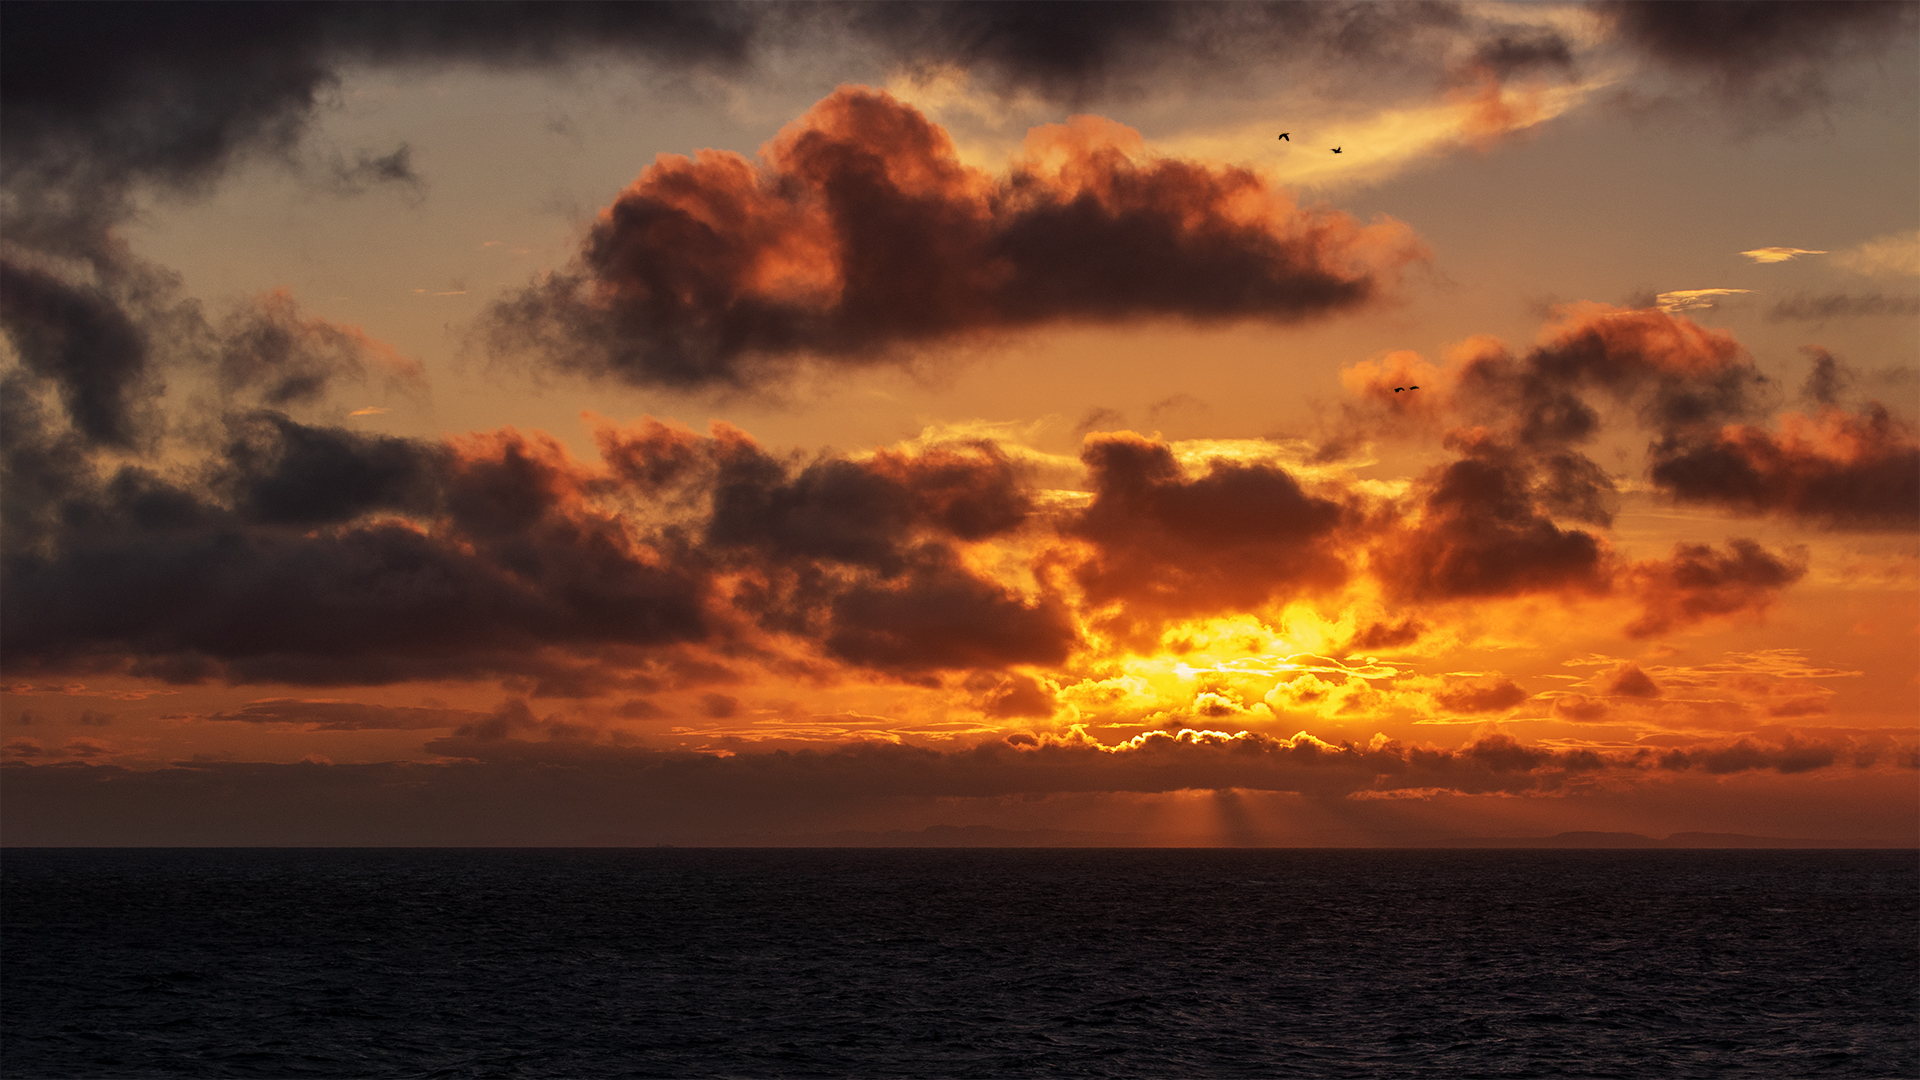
(1677,840)
(990,836)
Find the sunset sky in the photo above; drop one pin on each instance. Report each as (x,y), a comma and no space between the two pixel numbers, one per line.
(558,424)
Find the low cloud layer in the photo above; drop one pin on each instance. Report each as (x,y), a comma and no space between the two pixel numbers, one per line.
(512,792)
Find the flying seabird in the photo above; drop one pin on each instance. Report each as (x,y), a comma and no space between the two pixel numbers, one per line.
(1335,149)
(1283,136)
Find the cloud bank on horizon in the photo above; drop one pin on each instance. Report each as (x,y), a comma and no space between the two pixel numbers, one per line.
(962,615)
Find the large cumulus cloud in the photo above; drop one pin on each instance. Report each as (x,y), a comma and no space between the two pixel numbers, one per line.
(860,235)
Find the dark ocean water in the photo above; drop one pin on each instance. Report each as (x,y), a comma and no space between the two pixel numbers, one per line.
(485,963)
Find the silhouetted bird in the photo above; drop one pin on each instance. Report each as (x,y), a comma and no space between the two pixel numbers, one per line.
(1335,149)
(1283,136)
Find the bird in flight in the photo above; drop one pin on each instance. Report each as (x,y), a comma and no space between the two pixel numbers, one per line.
(1283,136)
(1335,149)
(1397,389)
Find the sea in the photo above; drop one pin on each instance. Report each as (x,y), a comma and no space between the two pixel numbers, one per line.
(672,962)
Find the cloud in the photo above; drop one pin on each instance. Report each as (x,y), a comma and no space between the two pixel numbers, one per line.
(859,555)
(79,338)
(861,238)
(1481,532)
(1893,255)
(1809,307)
(1165,545)
(368,171)
(270,353)
(1013,695)
(1628,680)
(1742,756)
(329,714)
(1828,379)
(1768,62)
(1380,636)
(315,555)
(1838,469)
(321,556)
(1480,694)
(1674,303)
(1699,582)
(1695,390)
(1778,254)
(1668,369)
(176,97)
(505,789)
(1581,708)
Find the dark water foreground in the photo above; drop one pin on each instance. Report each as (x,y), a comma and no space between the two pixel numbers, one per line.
(483,963)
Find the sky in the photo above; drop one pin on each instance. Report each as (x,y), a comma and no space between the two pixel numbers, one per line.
(1143,424)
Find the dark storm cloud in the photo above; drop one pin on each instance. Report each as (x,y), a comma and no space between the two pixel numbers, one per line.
(1071,53)
(98,101)
(862,237)
(103,95)
(171,93)
(174,92)
(1770,59)
(314,555)
(279,566)
(80,340)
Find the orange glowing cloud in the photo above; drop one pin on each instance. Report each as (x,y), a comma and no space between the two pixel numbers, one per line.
(1843,470)
(860,235)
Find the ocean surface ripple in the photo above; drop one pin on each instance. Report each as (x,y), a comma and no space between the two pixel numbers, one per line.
(696,963)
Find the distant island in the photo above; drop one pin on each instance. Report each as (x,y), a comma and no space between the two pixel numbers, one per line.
(990,836)
(1677,840)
